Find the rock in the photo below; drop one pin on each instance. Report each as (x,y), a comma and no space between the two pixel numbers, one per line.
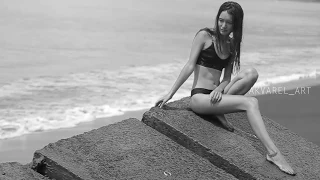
(125,150)
(17,171)
(239,153)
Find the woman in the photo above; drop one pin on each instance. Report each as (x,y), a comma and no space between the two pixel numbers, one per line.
(214,50)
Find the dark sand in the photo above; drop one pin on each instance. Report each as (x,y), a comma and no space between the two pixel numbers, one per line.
(299,111)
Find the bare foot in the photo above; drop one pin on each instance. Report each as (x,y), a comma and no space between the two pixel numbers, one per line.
(278,159)
(226,124)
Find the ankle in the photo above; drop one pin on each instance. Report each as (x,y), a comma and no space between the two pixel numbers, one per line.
(272,151)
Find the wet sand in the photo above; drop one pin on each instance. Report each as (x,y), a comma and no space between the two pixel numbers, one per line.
(297,109)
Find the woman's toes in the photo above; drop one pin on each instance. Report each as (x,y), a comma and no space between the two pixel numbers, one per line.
(289,171)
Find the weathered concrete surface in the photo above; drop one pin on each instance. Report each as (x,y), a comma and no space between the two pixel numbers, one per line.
(125,150)
(17,171)
(239,153)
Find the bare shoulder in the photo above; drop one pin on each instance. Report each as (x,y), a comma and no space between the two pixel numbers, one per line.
(202,34)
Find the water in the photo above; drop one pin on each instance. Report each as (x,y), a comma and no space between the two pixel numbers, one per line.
(67,62)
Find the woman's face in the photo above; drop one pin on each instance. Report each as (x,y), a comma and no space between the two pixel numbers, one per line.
(225,23)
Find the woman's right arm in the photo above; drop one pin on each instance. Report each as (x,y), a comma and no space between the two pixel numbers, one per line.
(197,46)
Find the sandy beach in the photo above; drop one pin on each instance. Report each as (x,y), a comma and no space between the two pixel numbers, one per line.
(297,109)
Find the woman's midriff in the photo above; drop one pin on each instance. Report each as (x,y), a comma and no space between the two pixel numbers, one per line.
(206,78)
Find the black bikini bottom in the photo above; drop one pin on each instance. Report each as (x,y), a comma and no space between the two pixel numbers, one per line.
(200,91)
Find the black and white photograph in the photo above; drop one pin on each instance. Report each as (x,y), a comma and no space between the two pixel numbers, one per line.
(159,89)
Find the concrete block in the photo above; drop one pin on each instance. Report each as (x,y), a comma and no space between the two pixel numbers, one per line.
(17,171)
(125,150)
(239,153)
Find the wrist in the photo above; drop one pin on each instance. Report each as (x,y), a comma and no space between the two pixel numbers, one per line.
(218,89)
(170,94)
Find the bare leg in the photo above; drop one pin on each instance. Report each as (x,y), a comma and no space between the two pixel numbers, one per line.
(242,83)
(225,123)
(239,85)
(201,104)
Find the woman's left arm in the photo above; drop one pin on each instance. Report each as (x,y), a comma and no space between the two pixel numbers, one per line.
(216,94)
(226,77)
(228,70)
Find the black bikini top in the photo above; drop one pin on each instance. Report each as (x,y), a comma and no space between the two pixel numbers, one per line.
(209,58)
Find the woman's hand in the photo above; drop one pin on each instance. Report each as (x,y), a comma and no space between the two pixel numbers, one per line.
(215,96)
(163,100)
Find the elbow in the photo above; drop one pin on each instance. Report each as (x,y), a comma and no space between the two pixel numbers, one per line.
(190,67)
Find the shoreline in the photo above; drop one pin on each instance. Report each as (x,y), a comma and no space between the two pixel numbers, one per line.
(297,112)
(295,107)
(300,86)
(21,148)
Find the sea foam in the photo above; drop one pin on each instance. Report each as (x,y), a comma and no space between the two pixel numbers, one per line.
(54,102)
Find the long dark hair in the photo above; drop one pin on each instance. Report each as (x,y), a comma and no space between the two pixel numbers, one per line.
(236,11)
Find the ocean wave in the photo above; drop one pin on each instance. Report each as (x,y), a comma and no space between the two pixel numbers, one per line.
(47,103)
(74,116)
(286,78)
(281,55)
(54,102)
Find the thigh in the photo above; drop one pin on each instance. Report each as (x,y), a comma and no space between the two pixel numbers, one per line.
(251,73)
(201,104)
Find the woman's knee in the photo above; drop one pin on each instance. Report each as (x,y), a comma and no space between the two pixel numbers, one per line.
(251,103)
(252,74)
